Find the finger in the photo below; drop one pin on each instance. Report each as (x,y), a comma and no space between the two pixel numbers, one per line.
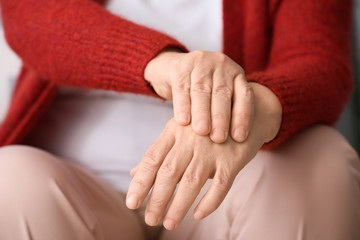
(242,110)
(133,171)
(190,185)
(201,87)
(167,178)
(181,97)
(219,187)
(221,106)
(147,169)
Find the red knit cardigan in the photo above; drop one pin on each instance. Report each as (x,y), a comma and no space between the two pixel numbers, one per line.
(300,49)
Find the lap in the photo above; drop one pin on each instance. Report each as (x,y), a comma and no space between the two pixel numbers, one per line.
(39,189)
(308,187)
(295,192)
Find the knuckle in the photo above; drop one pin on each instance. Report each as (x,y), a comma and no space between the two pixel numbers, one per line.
(182,87)
(199,54)
(150,161)
(222,182)
(169,127)
(223,91)
(191,181)
(248,91)
(179,76)
(182,65)
(221,57)
(157,203)
(181,73)
(168,170)
(201,88)
(202,71)
(223,77)
(238,74)
(246,94)
(241,71)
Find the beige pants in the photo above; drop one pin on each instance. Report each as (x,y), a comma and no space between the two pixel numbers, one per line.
(307,189)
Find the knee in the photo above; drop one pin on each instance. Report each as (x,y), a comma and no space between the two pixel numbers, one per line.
(25,162)
(327,148)
(317,157)
(25,173)
(320,144)
(322,157)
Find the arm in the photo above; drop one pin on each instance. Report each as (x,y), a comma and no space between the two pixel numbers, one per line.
(181,156)
(79,43)
(308,70)
(309,63)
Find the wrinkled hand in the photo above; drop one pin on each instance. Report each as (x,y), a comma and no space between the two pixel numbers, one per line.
(181,156)
(203,87)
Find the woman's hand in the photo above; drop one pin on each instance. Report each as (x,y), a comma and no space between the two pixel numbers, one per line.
(181,156)
(203,87)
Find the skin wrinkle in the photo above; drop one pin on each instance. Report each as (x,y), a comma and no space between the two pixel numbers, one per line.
(270,138)
(201,168)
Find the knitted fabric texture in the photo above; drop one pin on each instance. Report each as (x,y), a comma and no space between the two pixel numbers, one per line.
(300,49)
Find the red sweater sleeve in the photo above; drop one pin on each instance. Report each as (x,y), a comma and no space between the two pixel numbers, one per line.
(79,43)
(309,63)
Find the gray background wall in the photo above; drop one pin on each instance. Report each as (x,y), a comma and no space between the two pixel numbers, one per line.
(349,124)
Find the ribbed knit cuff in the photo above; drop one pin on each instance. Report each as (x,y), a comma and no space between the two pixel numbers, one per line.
(128,54)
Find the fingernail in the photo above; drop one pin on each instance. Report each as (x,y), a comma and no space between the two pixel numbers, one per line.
(170,224)
(219,134)
(198,215)
(183,118)
(202,126)
(240,134)
(150,219)
(132,202)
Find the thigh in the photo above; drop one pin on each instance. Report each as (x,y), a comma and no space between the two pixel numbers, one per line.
(306,189)
(113,220)
(44,197)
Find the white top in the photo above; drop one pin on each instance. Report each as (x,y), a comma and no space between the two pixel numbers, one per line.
(108,132)
(195,23)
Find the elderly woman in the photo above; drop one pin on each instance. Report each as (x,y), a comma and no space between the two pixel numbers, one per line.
(247,155)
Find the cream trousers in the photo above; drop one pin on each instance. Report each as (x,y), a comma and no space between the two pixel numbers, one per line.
(306,189)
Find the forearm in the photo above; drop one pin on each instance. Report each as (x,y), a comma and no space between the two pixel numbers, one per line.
(309,63)
(79,43)
(308,93)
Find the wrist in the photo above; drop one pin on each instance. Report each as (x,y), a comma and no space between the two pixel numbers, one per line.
(268,111)
(157,72)
(155,65)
